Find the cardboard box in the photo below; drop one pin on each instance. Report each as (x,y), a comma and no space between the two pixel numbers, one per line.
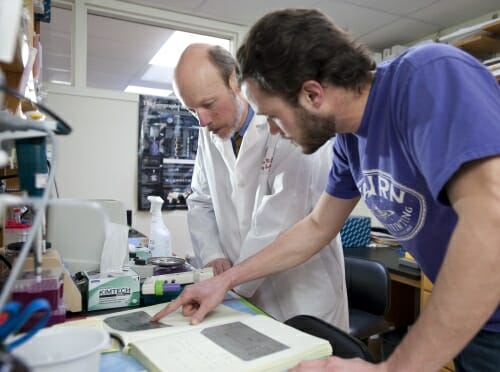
(112,291)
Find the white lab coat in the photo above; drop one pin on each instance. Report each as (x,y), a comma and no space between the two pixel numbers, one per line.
(238,206)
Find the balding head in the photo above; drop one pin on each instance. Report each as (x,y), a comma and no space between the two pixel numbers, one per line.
(205,81)
(197,56)
(190,61)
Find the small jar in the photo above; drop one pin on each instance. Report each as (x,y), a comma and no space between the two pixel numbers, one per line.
(15,232)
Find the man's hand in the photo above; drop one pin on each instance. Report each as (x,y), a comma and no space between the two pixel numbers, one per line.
(339,365)
(219,265)
(199,299)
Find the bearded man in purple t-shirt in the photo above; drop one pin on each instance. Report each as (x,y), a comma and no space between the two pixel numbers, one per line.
(418,138)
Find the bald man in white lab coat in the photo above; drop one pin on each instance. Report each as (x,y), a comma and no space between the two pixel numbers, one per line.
(245,195)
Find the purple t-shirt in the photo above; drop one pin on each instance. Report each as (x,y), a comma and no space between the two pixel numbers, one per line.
(429,111)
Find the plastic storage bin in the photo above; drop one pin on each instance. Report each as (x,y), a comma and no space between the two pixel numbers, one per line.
(62,349)
(26,289)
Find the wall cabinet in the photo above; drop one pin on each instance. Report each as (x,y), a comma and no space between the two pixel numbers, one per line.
(485,45)
(15,74)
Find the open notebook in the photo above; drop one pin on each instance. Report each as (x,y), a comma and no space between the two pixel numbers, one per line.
(227,340)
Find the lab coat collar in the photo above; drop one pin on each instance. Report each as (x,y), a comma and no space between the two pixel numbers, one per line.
(256,128)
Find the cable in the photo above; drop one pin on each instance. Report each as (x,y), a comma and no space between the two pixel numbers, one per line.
(61,126)
(5,261)
(55,181)
(8,177)
(12,123)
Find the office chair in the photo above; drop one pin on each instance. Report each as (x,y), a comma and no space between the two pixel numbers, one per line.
(369,297)
(343,344)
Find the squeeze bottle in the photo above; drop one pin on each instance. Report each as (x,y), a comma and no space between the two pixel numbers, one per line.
(160,243)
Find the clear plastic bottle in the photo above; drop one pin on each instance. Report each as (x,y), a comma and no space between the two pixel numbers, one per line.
(160,243)
(16,229)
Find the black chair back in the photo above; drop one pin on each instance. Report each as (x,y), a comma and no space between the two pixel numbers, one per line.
(368,285)
(343,344)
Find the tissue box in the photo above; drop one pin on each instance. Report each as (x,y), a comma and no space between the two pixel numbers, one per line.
(356,232)
(112,291)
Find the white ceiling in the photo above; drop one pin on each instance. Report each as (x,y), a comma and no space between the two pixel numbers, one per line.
(377,23)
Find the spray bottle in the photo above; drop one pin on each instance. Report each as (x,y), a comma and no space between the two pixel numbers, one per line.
(160,243)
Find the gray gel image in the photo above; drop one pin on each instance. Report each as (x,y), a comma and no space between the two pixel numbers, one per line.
(132,322)
(243,341)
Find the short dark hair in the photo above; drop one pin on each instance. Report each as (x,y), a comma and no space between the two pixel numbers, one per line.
(287,47)
(223,61)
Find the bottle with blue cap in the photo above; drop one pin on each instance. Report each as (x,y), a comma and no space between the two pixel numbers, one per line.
(160,244)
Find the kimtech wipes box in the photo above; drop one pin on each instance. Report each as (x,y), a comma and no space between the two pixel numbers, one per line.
(112,290)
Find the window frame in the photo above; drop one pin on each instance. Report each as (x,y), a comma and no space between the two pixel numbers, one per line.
(132,13)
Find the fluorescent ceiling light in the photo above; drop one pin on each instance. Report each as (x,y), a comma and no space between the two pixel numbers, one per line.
(61,82)
(169,53)
(160,74)
(148,91)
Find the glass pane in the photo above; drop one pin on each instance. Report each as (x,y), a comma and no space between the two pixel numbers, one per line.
(56,47)
(133,57)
